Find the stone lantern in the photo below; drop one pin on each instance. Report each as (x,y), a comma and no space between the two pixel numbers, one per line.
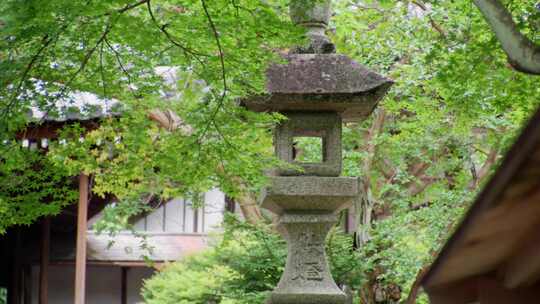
(317,91)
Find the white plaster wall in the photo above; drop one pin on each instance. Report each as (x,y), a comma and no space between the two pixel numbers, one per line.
(103,285)
(214,208)
(179,215)
(188,217)
(174,211)
(154,220)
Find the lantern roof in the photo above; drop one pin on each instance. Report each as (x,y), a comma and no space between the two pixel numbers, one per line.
(321,82)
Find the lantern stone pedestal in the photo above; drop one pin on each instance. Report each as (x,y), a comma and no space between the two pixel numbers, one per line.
(316,90)
(307,206)
(307,279)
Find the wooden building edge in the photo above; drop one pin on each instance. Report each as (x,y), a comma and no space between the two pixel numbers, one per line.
(493,257)
(43,263)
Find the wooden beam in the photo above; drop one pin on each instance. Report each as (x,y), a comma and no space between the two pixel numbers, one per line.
(183,215)
(139,264)
(230,204)
(28,284)
(50,129)
(461,292)
(11,268)
(494,237)
(196,220)
(80,259)
(44,261)
(124,285)
(492,291)
(17,274)
(524,267)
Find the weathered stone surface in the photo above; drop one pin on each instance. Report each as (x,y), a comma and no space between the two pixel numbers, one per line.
(307,279)
(318,194)
(315,13)
(314,16)
(324,125)
(321,82)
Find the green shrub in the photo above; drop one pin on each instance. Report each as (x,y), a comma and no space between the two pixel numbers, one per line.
(242,268)
(3,295)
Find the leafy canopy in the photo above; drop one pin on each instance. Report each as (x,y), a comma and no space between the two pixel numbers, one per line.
(220,50)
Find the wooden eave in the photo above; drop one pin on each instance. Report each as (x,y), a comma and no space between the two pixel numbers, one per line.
(498,237)
(50,129)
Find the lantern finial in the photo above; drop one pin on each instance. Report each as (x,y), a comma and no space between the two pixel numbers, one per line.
(314,15)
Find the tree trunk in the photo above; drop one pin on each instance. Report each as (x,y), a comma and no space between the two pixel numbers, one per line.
(523,54)
(250,208)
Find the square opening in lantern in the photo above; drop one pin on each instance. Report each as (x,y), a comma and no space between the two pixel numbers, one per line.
(311,140)
(308,149)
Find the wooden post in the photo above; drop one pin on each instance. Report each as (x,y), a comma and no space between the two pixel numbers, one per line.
(124,285)
(28,284)
(17,274)
(80,260)
(44,261)
(11,269)
(195,220)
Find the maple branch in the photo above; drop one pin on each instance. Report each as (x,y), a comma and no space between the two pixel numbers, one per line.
(434,24)
(247,202)
(223,70)
(419,168)
(416,187)
(169,36)
(131,6)
(385,167)
(373,132)
(13,99)
(523,53)
(479,176)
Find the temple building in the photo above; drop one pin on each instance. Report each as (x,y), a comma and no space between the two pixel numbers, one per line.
(115,266)
(61,259)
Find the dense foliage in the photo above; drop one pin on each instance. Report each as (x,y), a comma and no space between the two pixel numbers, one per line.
(30,180)
(242,268)
(52,49)
(456,106)
(453,111)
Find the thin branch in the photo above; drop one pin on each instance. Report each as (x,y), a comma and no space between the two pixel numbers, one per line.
(434,24)
(365,7)
(376,129)
(89,54)
(418,187)
(101,70)
(119,61)
(479,176)
(82,66)
(131,6)
(169,36)
(419,169)
(220,48)
(223,70)
(386,168)
(13,99)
